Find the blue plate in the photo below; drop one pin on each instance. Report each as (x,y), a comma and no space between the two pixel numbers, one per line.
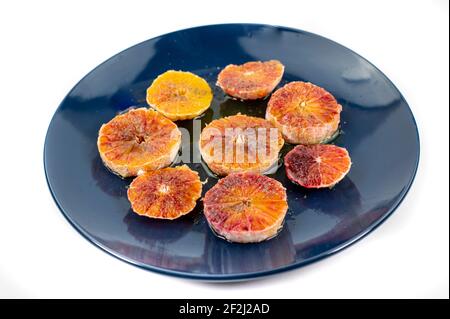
(377,127)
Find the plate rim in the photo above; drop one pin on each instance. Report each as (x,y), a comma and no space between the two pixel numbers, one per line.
(248,275)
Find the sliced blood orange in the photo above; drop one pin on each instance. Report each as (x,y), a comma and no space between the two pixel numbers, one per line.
(316,166)
(166,193)
(179,95)
(138,140)
(246,207)
(240,143)
(251,80)
(304,112)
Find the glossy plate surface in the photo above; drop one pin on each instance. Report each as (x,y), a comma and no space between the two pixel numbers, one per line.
(378,129)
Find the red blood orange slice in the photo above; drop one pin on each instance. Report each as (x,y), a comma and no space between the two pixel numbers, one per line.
(138,140)
(304,112)
(251,80)
(316,166)
(246,207)
(167,193)
(240,143)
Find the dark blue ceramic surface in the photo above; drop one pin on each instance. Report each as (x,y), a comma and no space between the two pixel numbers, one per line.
(378,129)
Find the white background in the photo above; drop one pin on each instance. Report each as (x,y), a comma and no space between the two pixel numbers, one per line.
(46,47)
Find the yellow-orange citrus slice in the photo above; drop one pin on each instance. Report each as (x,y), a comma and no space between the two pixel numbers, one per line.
(179,95)
(304,112)
(251,80)
(166,193)
(246,207)
(316,166)
(138,140)
(240,143)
